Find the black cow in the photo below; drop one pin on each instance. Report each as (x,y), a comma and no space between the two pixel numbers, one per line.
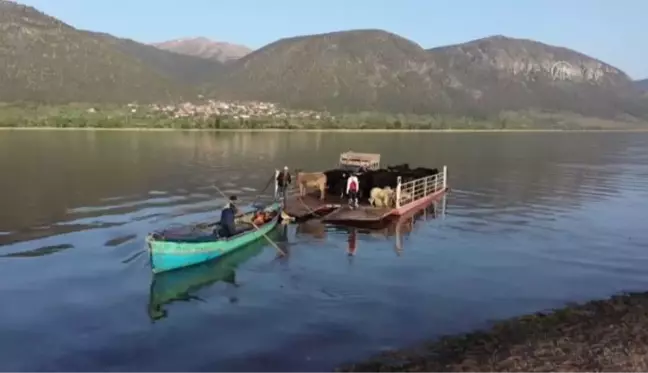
(424,171)
(399,167)
(376,178)
(336,181)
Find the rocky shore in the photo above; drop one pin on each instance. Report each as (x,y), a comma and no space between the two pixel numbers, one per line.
(603,335)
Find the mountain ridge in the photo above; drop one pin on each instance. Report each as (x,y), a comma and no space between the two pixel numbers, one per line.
(204,48)
(47,60)
(181,68)
(339,71)
(642,84)
(370,69)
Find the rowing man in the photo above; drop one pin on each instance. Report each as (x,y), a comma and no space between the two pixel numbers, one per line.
(228,218)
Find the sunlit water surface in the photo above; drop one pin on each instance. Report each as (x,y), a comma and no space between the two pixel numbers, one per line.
(534,221)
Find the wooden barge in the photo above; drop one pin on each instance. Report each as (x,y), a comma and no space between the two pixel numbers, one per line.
(410,196)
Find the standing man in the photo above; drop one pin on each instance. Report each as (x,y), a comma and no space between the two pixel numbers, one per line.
(283,180)
(353,186)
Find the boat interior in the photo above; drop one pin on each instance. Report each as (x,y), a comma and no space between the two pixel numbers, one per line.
(209,232)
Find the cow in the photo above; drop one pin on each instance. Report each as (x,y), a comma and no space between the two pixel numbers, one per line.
(424,171)
(405,197)
(312,180)
(336,181)
(378,179)
(385,177)
(382,197)
(399,167)
(417,173)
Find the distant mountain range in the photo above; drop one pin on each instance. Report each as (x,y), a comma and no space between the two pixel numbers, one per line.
(347,71)
(205,48)
(642,84)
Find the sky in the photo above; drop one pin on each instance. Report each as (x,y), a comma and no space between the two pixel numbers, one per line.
(612,31)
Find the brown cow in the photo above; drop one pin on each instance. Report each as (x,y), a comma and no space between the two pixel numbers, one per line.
(312,180)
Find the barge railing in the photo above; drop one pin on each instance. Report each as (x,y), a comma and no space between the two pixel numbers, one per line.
(416,189)
(405,192)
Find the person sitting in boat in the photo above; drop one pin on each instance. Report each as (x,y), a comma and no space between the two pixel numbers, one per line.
(353,186)
(259,218)
(228,219)
(283,180)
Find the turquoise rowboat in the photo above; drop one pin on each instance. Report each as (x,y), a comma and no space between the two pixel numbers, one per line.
(171,249)
(182,284)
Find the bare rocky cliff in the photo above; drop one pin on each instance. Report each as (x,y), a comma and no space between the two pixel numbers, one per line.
(516,74)
(205,48)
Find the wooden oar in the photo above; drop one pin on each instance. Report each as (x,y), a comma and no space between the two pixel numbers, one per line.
(255,226)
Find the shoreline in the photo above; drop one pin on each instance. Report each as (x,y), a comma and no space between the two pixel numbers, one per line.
(336,130)
(600,335)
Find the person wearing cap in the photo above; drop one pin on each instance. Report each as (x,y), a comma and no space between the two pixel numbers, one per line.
(283,180)
(228,217)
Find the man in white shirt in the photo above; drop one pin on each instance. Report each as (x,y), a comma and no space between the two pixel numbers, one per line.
(353,186)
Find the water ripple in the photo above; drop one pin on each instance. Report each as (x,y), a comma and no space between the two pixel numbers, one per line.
(524,229)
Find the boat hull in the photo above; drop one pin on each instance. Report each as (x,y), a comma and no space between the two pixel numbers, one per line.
(182,284)
(167,255)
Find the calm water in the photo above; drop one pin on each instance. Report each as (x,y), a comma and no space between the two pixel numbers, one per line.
(534,221)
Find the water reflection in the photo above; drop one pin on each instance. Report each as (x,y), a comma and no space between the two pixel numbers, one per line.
(41,251)
(184,284)
(352,241)
(314,228)
(537,220)
(91,170)
(405,224)
(398,227)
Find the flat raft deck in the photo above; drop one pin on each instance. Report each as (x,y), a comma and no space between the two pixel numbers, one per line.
(413,194)
(332,209)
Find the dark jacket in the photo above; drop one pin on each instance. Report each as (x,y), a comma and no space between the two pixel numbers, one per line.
(227,219)
(283,178)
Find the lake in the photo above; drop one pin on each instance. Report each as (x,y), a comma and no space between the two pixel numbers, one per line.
(533,221)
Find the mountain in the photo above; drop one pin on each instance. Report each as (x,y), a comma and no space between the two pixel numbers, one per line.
(181,68)
(205,48)
(516,74)
(374,70)
(339,71)
(47,60)
(642,84)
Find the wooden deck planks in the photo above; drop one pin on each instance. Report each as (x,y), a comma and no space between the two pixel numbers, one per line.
(311,205)
(300,207)
(360,214)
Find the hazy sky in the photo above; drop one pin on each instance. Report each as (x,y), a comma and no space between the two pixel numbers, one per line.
(613,31)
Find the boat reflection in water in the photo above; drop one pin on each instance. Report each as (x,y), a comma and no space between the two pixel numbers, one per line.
(179,285)
(397,227)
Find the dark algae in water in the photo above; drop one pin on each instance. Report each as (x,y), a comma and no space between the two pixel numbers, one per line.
(603,335)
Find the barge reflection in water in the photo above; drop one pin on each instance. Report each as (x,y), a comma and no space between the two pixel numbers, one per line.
(396,227)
